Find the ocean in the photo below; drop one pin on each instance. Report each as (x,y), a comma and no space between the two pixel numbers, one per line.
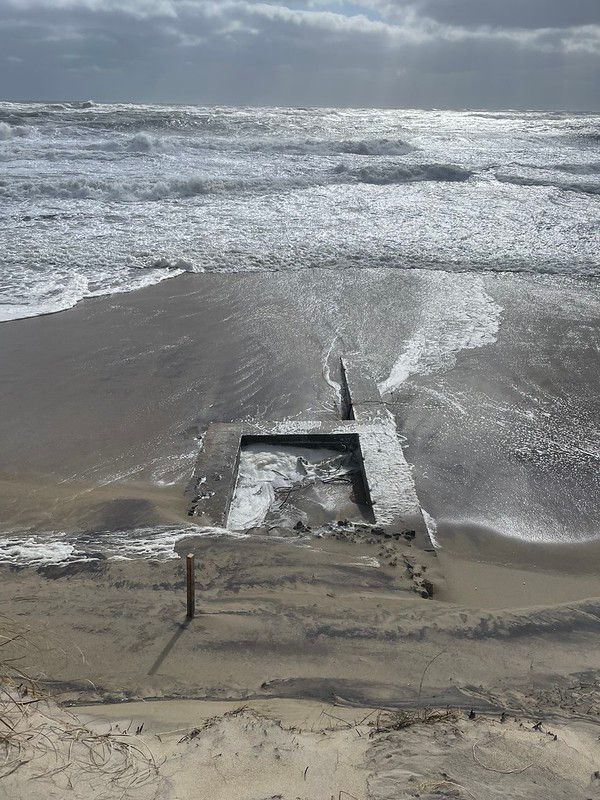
(98,199)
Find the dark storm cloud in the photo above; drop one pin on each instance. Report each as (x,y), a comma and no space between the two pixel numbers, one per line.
(514,13)
(308,52)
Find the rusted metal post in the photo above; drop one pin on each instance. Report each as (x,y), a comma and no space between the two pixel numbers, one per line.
(191,587)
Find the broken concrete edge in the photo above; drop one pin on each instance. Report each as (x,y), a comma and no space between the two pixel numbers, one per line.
(387,475)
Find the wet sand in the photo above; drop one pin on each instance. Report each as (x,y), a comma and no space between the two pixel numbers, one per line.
(102,407)
(116,391)
(279,618)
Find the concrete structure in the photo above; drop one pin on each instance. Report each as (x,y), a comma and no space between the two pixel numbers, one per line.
(367,426)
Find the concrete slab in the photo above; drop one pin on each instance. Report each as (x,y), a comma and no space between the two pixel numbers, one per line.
(387,476)
(211,488)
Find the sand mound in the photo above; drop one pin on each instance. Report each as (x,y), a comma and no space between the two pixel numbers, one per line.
(288,750)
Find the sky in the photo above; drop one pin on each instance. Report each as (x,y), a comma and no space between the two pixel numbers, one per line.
(537,54)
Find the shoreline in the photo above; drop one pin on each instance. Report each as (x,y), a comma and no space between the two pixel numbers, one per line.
(474,270)
(114,400)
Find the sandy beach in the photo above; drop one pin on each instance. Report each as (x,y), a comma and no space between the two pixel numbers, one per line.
(103,408)
(308,672)
(315,667)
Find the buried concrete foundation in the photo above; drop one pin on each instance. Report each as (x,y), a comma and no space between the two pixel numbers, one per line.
(367,427)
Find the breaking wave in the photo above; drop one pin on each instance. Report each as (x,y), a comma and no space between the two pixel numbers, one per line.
(565,186)
(81,104)
(140,142)
(591,168)
(406,173)
(377,147)
(86,188)
(11,132)
(144,143)
(356,147)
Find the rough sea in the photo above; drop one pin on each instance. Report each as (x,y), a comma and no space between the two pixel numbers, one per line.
(97,199)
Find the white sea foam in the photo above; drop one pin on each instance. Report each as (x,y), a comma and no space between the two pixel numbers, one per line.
(58,293)
(62,292)
(431,525)
(458,315)
(335,385)
(11,132)
(35,550)
(41,549)
(175,469)
(365,561)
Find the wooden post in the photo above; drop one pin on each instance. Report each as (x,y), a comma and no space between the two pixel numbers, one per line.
(191,588)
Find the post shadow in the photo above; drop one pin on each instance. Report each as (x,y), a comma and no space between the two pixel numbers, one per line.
(181,627)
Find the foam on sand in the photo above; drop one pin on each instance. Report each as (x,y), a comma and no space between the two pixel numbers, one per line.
(459,315)
(42,549)
(64,291)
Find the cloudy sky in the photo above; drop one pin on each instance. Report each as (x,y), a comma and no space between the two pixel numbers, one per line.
(406,53)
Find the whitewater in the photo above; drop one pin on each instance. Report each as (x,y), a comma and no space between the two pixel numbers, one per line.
(101,199)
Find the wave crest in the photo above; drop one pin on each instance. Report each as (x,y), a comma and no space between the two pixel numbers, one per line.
(565,186)
(140,142)
(589,168)
(406,173)
(144,143)
(171,188)
(11,132)
(174,264)
(377,147)
(356,147)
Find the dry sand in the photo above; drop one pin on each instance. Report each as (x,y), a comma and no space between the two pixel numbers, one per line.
(301,750)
